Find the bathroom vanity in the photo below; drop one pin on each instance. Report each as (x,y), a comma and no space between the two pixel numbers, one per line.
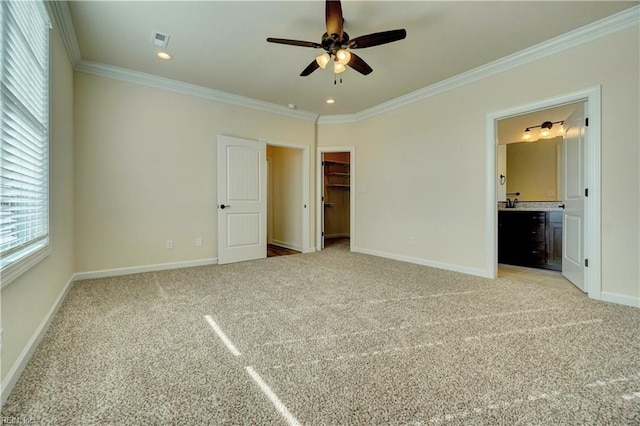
(531,238)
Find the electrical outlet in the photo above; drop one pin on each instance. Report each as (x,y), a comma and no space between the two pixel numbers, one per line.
(198,242)
(169,244)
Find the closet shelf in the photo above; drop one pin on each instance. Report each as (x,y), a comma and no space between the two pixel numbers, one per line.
(338,186)
(339,174)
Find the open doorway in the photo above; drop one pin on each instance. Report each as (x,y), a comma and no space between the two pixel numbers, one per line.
(531,193)
(287,208)
(570,241)
(336,197)
(335,186)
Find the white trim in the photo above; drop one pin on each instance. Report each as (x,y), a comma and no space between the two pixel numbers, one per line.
(290,246)
(144,268)
(144,79)
(352,198)
(21,362)
(593,247)
(577,37)
(424,262)
(19,267)
(306,180)
(620,299)
(61,15)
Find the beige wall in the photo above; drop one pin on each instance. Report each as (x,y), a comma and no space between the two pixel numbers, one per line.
(27,300)
(286,196)
(145,170)
(426,162)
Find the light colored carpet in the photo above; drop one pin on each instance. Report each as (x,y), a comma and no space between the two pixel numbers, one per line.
(338,338)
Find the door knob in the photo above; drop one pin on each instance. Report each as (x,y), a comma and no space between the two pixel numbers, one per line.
(222,206)
(561,206)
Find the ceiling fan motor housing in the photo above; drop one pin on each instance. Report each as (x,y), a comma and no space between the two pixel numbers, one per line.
(332,45)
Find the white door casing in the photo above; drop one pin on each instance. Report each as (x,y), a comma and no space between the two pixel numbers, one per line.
(242,200)
(573,224)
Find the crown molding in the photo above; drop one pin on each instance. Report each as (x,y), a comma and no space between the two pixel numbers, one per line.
(596,30)
(59,10)
(61,17)
(144,79)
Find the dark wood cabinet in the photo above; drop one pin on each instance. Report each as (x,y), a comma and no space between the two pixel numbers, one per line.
(530,238)
(554,240)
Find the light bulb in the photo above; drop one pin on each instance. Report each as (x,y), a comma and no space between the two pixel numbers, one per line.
(338,67)
(544,133)
(527,135)
(323,60)
(561,129)
(343,56)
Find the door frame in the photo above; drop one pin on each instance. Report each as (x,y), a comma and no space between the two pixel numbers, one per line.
(352,199)
(593,143)
(305,180)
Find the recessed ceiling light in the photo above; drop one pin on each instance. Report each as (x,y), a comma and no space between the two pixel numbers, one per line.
(331,101)
(163,55)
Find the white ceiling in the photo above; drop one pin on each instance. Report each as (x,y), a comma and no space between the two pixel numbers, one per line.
(222,45)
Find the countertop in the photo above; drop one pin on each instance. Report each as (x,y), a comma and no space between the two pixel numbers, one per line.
(532,206)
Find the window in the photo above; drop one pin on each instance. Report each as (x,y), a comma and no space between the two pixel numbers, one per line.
(24,130)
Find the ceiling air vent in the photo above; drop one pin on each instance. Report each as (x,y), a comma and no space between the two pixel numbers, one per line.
(160,39)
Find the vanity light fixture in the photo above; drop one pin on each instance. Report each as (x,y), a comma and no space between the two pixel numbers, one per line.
(545,131)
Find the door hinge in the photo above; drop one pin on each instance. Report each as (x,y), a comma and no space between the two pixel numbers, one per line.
(586,192)
(322,198)
(323,163)
(586,122)
(586,263)
(322,233)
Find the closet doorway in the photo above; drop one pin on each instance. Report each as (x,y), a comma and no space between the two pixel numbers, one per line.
(336,177)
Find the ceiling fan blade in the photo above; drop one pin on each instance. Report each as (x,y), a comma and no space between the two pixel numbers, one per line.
(334,18)
(294,42)
(309,69)
(359,65)
(377,39)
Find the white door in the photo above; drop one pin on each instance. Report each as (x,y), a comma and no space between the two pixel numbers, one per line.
(573,257)
(242,200)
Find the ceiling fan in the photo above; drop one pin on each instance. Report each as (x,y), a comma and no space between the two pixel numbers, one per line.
(338,46)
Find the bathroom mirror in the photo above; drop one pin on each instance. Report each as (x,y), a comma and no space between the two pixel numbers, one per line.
(534,169)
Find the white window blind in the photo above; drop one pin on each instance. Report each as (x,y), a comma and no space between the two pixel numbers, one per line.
(24,130)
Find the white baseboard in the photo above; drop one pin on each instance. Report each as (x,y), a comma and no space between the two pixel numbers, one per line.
(145,268)
(296,247)
(620,299)
(21,362)
(424,262)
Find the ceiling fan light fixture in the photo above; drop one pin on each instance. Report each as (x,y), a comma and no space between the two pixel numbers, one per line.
(343,56)
(338,68)
(323,60)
